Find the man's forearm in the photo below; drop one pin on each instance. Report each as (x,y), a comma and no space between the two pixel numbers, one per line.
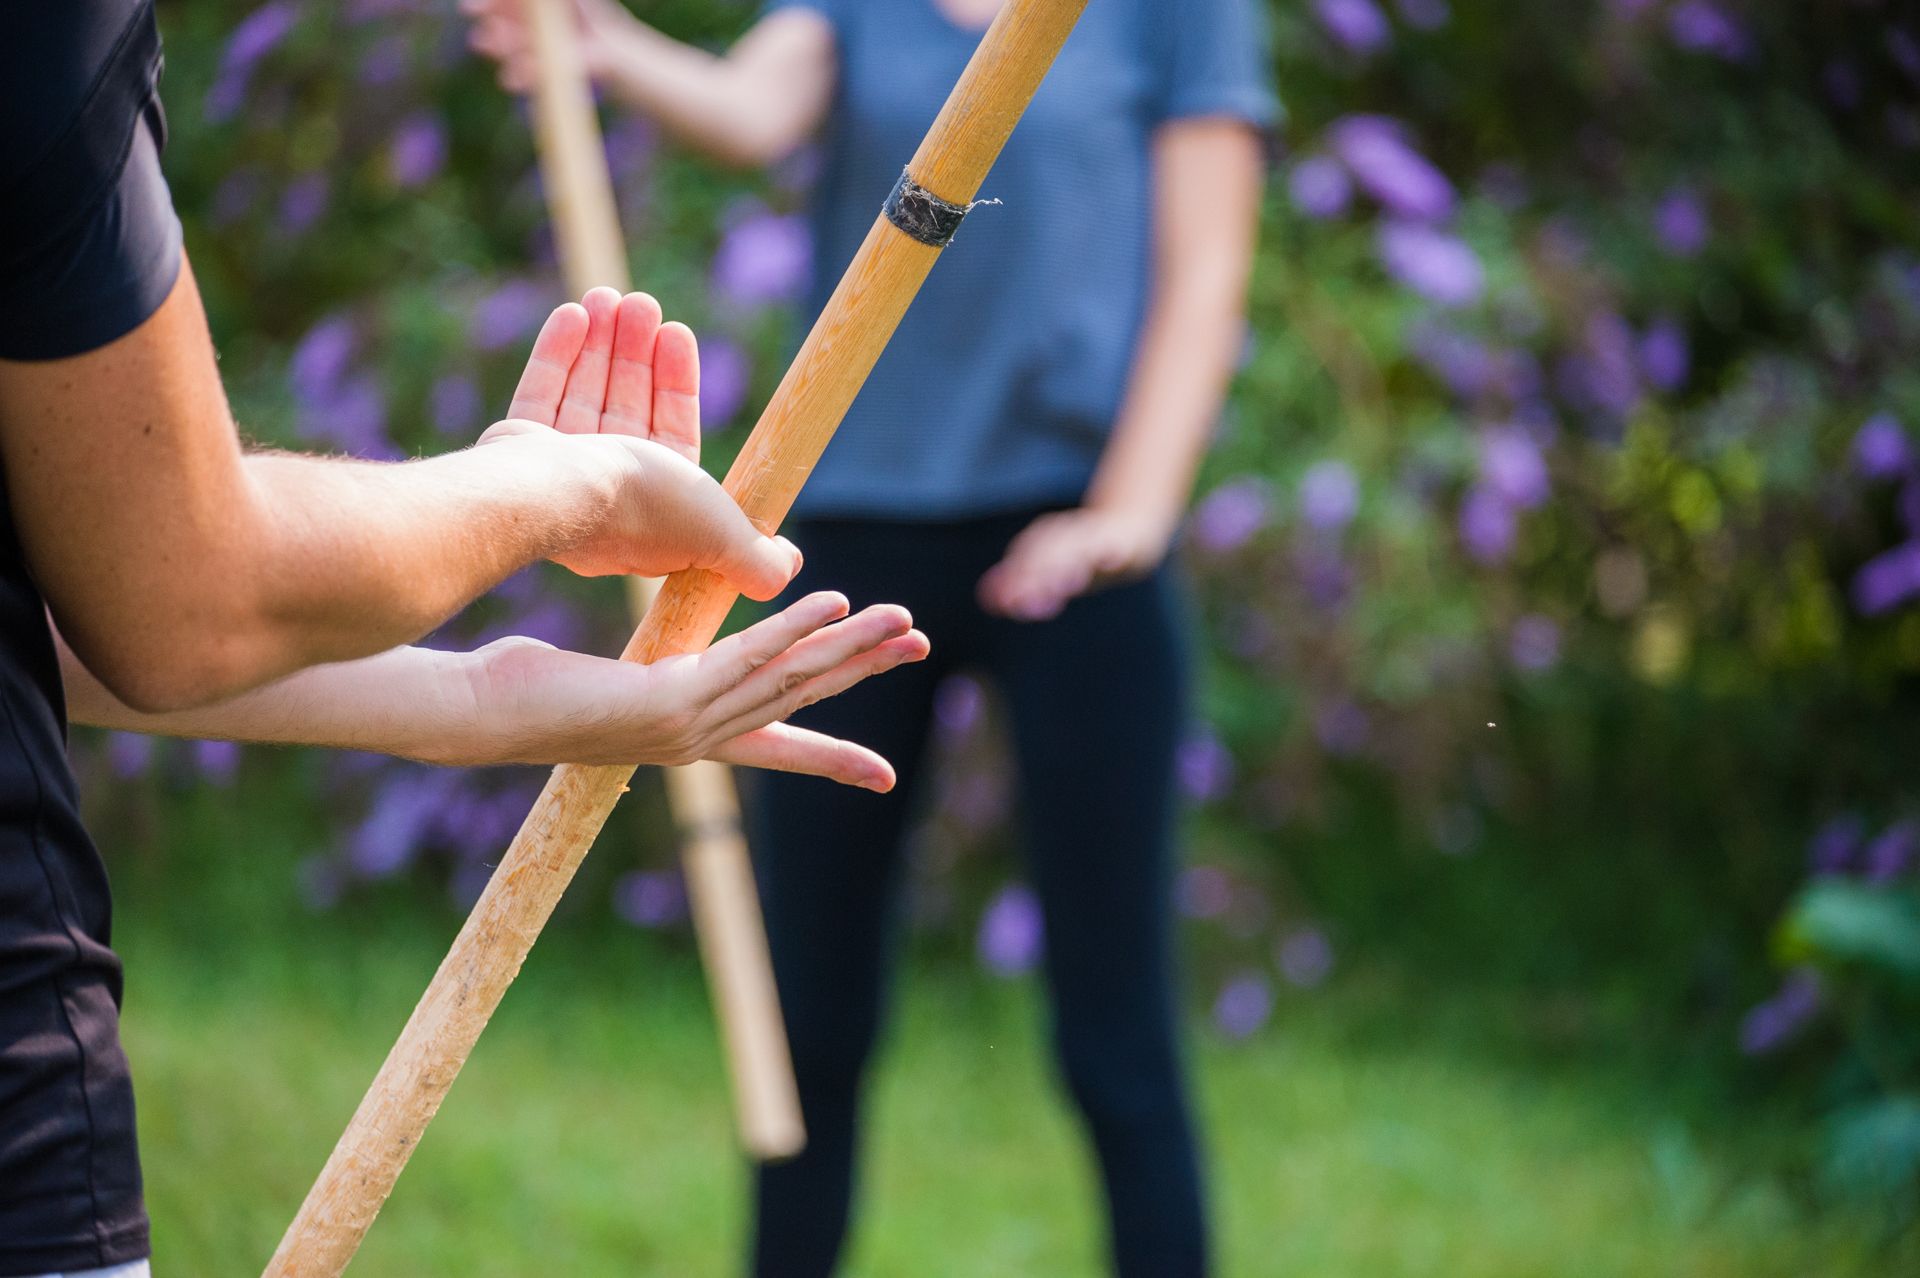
(411,702)
(354,558)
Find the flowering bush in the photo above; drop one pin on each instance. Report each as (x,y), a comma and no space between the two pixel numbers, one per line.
(1569,500)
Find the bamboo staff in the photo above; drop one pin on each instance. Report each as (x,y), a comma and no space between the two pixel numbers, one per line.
(706,810)
(866,306)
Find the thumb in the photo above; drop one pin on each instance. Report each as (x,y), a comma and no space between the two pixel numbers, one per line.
(510,427)
(756,565)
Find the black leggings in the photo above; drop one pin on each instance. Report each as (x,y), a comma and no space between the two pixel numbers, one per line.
(1097,699)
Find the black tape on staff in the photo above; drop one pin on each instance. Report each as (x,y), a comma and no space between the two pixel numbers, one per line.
(924,215)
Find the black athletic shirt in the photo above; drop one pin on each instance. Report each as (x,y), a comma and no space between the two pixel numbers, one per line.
(89,248)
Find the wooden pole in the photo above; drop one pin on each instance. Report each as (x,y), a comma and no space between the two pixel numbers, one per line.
(805,410)
(701,796)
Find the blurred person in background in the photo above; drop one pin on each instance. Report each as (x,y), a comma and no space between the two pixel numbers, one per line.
(157,576)
(1014,470)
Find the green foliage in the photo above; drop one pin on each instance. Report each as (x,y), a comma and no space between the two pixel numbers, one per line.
(1558,559)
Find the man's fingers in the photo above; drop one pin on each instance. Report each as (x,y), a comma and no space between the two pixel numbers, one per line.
(782,747)
(735,658)
(586,392)
(629,408)
(791,695)
(544,381)
(771,672)
(676,390)
(757,566)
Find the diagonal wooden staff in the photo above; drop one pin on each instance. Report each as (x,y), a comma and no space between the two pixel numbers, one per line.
(866,306)
(706,811)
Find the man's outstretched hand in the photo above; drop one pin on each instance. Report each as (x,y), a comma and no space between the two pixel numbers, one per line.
(611,384)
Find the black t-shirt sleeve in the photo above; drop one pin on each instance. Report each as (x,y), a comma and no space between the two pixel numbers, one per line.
(92,244)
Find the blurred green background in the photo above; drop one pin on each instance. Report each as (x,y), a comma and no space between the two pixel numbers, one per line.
(1551,874)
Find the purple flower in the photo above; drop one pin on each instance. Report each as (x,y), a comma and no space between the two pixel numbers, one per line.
(1680,223)
(1770,1025)
(235,197)
(1342,728)
(321,358)
(1011,932)
(1206,892)
(1841,80)
(1355,25)
(1228,517)
(302,203)
(1424,15)
(476,825)
(1462,362)
(1488,527)
(509,314)
(454,405)
(1909,505)
(1888,856)
(1701,27)
(958,705)
(764,257)
(351,417)
(1604,377)
(1834,845)
(1888,580)
(1534,643)
(1664,356)
(1511,465)
(129,754)
(631,144)
(385,62)
(1329,496)
(977,800)
(1243,1005)
(258,34)
(1319,187)
(418,151)
(1376,151)
(389,837)
(1324,576)
(1305,958)
(1433,263)
(725,376)
(1905,51)
(551,621)
(1880,449)
(1204,767)
(216,761)
(650,898)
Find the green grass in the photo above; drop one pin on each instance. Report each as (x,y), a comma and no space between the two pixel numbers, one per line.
(1393,1123)
(1372,1131)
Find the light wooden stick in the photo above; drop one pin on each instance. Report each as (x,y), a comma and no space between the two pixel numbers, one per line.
(835,359)
(706,810)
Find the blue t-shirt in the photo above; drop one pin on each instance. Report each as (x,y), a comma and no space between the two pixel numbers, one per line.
(1000,388)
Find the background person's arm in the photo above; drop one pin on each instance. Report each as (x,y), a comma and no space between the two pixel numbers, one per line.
(183,570)
(1207,175)
(749,106)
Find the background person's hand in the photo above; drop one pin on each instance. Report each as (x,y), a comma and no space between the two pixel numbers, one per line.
(620,390)
(1063,555)
(500,32)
